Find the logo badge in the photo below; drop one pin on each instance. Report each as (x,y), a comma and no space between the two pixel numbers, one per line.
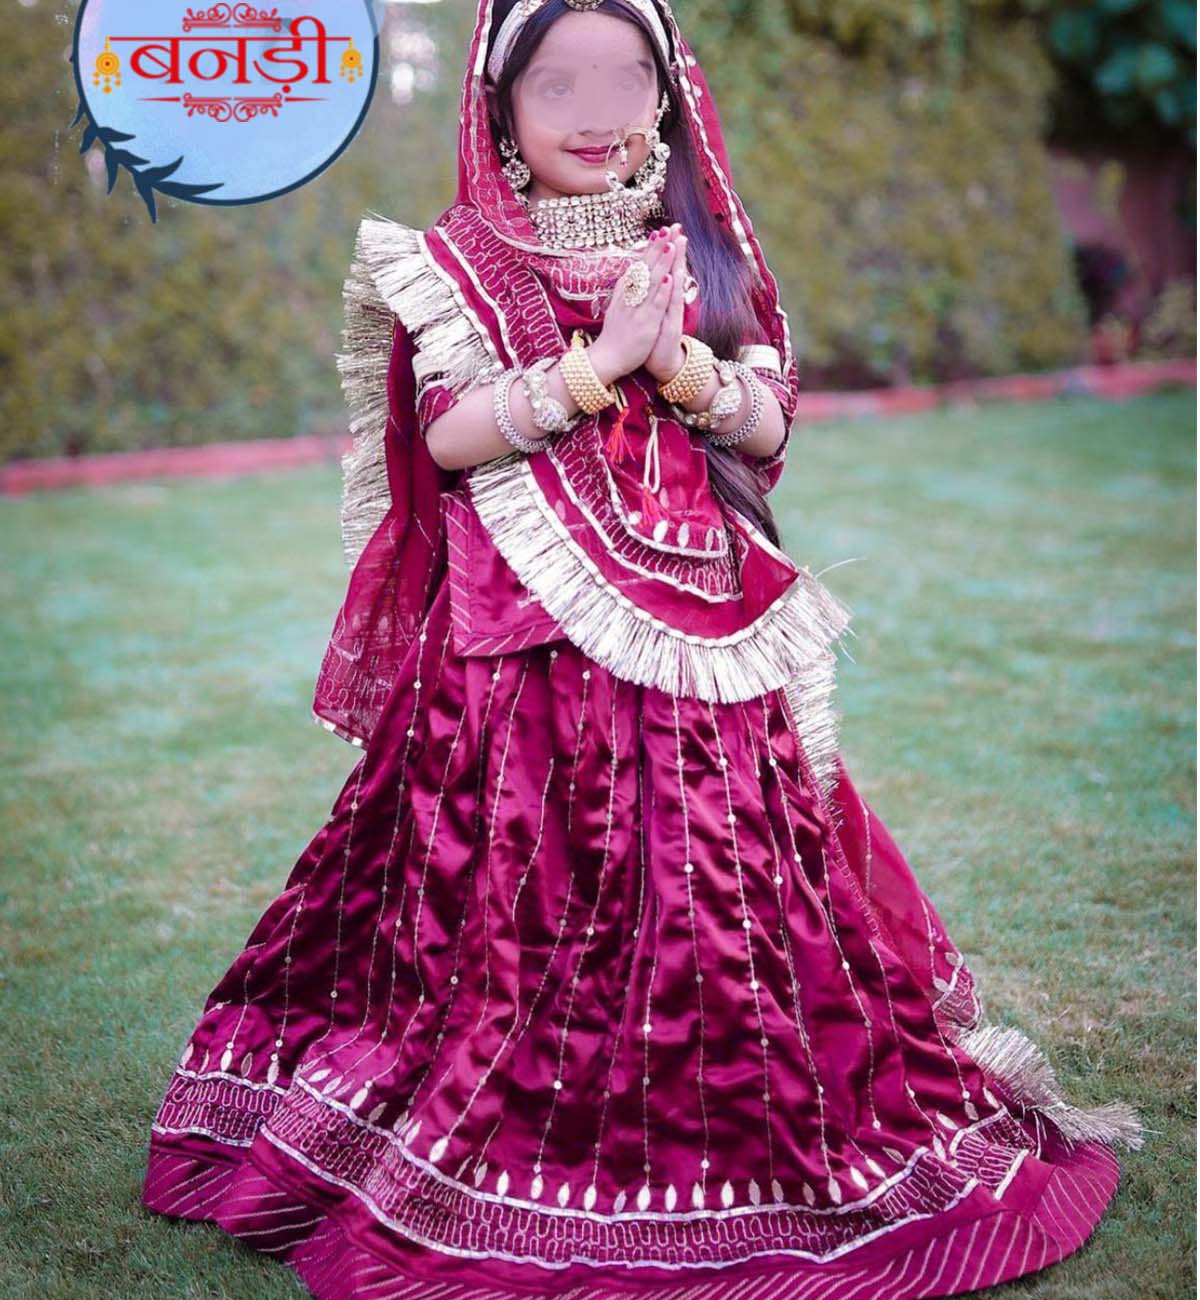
(223,103)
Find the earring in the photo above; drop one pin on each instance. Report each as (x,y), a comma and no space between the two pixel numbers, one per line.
(651,177)
(515,170)
(652,174)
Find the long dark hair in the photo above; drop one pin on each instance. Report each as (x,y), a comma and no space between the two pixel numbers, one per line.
(727,318)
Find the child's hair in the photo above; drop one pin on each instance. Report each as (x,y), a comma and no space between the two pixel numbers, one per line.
(727,319)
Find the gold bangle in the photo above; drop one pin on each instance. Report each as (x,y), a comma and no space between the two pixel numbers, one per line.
(695,372)
(580,377)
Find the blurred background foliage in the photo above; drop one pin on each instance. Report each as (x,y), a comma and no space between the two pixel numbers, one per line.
(893,156)
(1134,62)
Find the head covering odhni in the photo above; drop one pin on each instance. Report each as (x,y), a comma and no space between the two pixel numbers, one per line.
(718,613)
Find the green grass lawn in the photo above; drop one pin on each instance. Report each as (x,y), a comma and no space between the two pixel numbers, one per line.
(1019,710)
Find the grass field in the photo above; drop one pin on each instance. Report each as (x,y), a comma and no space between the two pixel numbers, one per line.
(1019,709)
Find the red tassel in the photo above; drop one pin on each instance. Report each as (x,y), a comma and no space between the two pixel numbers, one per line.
(652,511)
(618,446)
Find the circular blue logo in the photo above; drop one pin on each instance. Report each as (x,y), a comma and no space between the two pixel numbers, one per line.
(223,103)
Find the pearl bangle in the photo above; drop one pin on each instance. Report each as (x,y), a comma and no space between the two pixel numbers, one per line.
(691,377)
(584,385)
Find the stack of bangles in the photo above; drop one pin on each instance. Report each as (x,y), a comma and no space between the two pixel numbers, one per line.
(694,374)
(591,395)
(549,414)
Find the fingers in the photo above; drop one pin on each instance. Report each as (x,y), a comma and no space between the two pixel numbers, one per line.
(679,273)
(662,255)
(664,282)
(660,289)
(654,305)
(660,243)
(665,270)
(657,257)
(673,268)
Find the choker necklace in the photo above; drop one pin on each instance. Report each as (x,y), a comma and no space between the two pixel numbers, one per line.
(608,219)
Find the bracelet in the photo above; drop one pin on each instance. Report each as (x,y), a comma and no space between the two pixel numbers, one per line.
(549,414)
(726,400)
(504,418)
(754,387)
(691,377)
(580,377)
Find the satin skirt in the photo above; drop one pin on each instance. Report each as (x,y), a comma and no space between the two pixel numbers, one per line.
(588,990)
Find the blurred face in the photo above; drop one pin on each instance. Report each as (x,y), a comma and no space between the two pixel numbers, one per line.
(591,75)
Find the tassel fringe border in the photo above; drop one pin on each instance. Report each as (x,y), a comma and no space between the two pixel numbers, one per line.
(788,646)
(392,276)
(363,366)
(447,344)
(1022,1068)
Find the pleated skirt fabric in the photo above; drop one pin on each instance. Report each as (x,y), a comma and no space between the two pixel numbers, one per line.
(587,990)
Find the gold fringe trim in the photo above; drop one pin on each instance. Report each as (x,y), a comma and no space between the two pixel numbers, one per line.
(363,366)
(789,644)
(392,275)
(815,719)
(449,345)
(1023,1069)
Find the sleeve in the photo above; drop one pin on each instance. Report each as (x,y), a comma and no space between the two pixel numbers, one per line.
(436,395)
(435,400)
(770,468)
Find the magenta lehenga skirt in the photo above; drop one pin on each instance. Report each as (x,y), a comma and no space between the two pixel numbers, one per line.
(588,990)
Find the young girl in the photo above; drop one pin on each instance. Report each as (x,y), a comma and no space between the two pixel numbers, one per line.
(601,978)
